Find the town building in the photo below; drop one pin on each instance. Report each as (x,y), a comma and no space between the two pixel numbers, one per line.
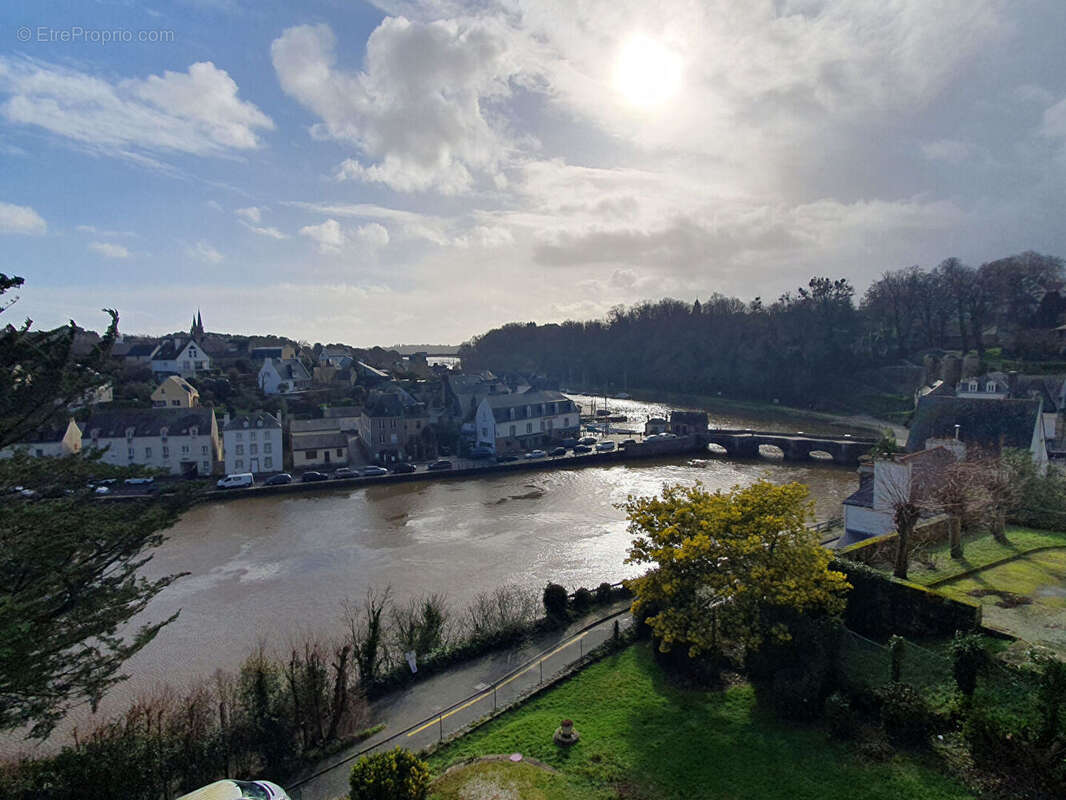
(347,417)
(394,426)
(283,352)
(464,393)
(253,443)
(49,442)
(180,356)
(870,511)
(184,441)
(656,425)
(139,354)
(686,423)
(283,376)
(322,449)
(175,392)
(511,423)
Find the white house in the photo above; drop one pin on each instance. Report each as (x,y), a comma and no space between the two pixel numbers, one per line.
(180,356)
(283,376)
(510,423)
(870,511)
(58,440)
(253,443)
(184,441)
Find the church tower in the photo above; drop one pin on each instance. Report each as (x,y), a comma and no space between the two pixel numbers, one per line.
(197,329)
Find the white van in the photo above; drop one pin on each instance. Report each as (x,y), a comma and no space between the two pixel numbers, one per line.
(238,480)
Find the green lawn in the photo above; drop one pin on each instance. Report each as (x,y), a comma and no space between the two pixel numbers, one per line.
(641,738)
(978,552)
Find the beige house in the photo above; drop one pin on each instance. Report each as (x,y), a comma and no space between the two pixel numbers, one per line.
(323,449)
(184,441)
(175,392)
(49,442)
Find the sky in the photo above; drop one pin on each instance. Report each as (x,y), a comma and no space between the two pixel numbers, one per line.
(409,171)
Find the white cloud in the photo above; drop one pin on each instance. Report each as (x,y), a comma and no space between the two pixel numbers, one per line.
(951,151)
(416,110)
(1054,126)
(202,251)
(252,214)
(196,112)
(93,230)
(109,249)
(265,230)
(328,236)
(373,234)
(21,219)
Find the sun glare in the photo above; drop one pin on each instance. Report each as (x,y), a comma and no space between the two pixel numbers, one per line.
(646,74)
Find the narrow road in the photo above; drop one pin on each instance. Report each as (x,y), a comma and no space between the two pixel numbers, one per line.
(437,707)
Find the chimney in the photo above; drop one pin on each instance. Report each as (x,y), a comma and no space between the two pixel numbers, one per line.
(225,418)
(1012,383)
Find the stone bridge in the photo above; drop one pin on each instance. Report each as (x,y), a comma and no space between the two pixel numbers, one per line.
(745,443)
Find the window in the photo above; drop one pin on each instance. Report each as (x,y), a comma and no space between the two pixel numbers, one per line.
(251,434)
(148,452)
(512,430)
(166,452)
(268,462)
(990,387)
(175,402)
(185,449)
(40,452)
(130,453)
(566,422)
(253,449)
(529,427)
(266,447)
(239,436)
(240,449)
(340,451)
(207,467)
(239,463)
(310,454)
(973,386)
(484,433)
(203,450)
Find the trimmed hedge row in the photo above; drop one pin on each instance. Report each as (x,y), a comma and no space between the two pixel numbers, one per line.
(880,605)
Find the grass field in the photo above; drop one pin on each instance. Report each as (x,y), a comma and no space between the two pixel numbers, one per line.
(979,551)
(643,738)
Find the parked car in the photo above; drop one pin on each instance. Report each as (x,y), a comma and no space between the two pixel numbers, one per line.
(628,442)
(345,472)
(536,454)
(280,479)
(589,440)
(312,476)
(373,471)
(139,481)
(401,468)
(557,451)
(238,480)
(503,459)
(442,463)
(582,448)
(605,447)
(569,443)
(481,452)
(102,490)
(238,790)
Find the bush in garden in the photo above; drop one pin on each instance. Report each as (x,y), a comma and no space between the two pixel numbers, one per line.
(904,714)
(839,717)
(967,659)
(393,775)
(556,601)
(582,601)
(603,593)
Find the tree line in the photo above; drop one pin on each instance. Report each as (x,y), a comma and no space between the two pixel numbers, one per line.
(798,348)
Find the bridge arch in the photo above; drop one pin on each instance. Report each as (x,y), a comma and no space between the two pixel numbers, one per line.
(772,451)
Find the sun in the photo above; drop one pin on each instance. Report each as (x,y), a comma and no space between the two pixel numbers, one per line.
(646,74)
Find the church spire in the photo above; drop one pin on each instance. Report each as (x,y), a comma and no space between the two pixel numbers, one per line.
(197,329)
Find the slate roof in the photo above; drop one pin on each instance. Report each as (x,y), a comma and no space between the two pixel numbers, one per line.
(260,353)
(50,434)
(142,350)
(319,441)
(168,351)
(864,496)
(1046,387)
(237,423)
(342,411)
(291,369)
(537,400)
(312,425)
(986,423)
(149,421)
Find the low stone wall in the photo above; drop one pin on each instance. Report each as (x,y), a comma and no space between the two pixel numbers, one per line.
(880,605)
(880,551)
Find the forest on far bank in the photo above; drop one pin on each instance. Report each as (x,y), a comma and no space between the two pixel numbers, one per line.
(808,348)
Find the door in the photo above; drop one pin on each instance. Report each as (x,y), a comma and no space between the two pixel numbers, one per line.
(327,456)
(253,466)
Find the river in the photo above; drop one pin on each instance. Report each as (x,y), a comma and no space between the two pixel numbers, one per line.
(274,569)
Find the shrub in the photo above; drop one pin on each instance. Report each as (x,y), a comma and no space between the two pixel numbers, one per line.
(904,714)
(796,694)
(582,601)
(839,717)
(603,593)
(394,775)
(555,601)
(967,659)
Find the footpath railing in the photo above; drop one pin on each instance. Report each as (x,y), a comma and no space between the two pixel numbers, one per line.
(331,781)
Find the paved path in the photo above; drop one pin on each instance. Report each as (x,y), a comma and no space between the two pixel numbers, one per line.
(439,706)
